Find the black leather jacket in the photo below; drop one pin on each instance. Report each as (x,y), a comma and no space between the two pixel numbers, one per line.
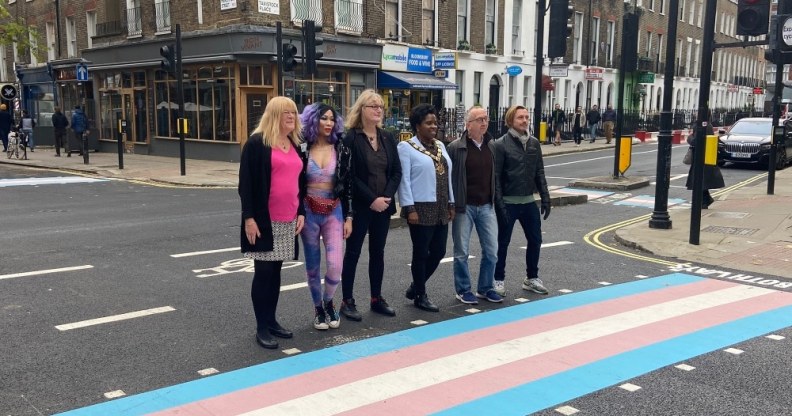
(518,171)
(342,180)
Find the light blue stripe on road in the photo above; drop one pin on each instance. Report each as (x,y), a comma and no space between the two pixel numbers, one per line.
(563,387)
(263,373)
(54,180)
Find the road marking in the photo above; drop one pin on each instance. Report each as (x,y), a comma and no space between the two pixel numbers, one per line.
(292,351)
(556,244)
(775,337)
(208,371)
(567,410)
(673,178)
(685,367)
(200,253)
(55,180)
(735,351)
(114,318)
(48,271)
(630,387)
(594,159)
(114,394)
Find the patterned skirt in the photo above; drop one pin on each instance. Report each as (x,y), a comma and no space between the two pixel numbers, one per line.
(282,243)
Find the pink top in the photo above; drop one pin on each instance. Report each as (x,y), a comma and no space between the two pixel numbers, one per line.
(284,188)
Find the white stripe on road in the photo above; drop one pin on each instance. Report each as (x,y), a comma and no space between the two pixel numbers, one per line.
(673,178)
(48,271)
(556,244)
(56,180)
(199,253)
(114,318)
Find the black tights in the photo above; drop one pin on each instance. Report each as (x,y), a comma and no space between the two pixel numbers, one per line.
(265,291)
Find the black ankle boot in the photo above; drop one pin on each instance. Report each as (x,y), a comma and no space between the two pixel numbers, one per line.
(265,339)
(423,302)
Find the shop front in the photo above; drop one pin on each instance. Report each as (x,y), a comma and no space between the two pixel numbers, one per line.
(406,79)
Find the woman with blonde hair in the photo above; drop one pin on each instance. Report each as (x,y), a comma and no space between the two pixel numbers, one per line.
(377,174)
(272,216)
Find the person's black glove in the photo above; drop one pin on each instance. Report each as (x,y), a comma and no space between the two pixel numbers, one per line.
(545,209)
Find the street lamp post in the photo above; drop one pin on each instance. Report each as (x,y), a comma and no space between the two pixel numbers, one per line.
(660,218)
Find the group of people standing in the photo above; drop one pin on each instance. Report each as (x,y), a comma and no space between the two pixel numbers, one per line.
(27,123)
(305,175)
(583,123)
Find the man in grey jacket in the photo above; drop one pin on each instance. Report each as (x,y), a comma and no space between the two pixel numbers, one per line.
(473,182)
(519,173)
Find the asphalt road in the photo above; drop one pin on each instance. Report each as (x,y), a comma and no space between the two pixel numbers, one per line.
(168,254)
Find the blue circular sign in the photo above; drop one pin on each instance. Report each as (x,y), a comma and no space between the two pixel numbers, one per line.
(514,70)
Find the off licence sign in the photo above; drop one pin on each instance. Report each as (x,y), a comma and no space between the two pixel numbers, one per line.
(786,32)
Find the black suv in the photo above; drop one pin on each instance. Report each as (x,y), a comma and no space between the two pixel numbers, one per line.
(748,141)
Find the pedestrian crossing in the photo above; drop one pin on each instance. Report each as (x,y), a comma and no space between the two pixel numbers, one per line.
(620,199)
(510,361)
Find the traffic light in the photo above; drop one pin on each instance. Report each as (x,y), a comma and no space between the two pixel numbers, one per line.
(289,57)
(168,62)
(311,43)
(631,29)
(561,27)
(753,17)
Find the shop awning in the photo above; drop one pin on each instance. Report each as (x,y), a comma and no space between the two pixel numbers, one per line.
(410,81)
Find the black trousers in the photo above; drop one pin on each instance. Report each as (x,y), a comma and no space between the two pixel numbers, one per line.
(377,225)
(429,247)
(59,136)
(265,291)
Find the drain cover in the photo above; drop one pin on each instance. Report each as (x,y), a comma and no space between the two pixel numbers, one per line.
(730,230)
(732,215)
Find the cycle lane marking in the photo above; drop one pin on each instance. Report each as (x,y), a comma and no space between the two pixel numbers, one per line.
(114,318)
(48,271)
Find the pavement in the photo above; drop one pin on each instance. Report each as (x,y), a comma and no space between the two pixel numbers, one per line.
(745,228)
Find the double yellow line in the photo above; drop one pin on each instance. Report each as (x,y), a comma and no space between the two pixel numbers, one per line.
(594,237)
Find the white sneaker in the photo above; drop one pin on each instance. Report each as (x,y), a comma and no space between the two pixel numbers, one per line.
(500,287)
(534,285)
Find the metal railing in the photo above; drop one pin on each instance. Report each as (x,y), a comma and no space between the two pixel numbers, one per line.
(114,27)
(162,16)
(134,21)
(349,15)
(306,10)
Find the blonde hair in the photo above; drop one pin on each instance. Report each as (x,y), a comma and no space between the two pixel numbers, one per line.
(269,125)
(355,117)
(512,112)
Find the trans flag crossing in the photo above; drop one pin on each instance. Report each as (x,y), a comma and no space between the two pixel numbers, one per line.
(510,361)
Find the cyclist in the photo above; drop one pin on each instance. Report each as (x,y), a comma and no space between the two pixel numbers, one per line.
(26,126)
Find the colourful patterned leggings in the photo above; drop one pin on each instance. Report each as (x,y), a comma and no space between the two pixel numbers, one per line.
(331,230)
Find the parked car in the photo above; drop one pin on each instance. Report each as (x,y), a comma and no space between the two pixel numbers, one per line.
(747,141)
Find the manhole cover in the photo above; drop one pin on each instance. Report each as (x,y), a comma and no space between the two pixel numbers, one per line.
(733,215)
(730,230)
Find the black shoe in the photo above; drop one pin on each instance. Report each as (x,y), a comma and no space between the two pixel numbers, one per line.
(349,310)
(68,154)
(57,154)
(410,293)
(423,302)
(264,338)
(279,331)
(379,305)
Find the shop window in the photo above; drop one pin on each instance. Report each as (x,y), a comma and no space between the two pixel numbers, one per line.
(255,75)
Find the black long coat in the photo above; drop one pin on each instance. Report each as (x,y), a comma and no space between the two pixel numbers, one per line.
(713,178)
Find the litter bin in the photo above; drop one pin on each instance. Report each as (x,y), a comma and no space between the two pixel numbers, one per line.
(641,135)
(676,138)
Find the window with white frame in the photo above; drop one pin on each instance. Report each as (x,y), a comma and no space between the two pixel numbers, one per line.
(90,26)
(691,11)
(459,95)
(163,15)
(696,54)
(512,86)
(349,15)
(661,8)
(648,43)
(428,22)
(489,23)
(15,51)
(51,39)
(33,48)
(392,8)
(462,20)
(611,32)
(577,42)
(659,47)
(516,29)
(701,13)
(477,88)
(134,18)
(306,10)
(527,96)
(595,40)
(682,11)
(71,37)
(3,70)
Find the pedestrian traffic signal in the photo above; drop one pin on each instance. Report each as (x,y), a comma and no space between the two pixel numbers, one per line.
(289,57)
(311,43)
(168,62)
(561,27)
(631,26)
(753,17)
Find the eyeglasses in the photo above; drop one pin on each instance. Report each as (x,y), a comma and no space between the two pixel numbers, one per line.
(375,107)
(480,120)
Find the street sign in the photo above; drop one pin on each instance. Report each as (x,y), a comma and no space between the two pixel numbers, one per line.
(559,71)
(514,70)
(646,77)
(82,72)
(786,33)
(440,73)
(9,92)
(593,74)
(625,154)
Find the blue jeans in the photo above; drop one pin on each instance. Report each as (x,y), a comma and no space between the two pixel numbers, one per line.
(593,129)
(528,216)
(29,133)
(484,219)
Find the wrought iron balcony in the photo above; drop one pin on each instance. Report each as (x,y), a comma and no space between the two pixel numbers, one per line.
(134,21)
(646,64)
(115,27)
(349,15)
(162,16)
(306,10)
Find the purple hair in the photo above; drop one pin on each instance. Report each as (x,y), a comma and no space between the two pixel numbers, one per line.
(310,121)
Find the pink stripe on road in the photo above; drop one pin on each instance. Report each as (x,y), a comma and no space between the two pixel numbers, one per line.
(484,383)
(326,378)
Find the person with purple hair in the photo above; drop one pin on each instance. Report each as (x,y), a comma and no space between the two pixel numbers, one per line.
(328,201)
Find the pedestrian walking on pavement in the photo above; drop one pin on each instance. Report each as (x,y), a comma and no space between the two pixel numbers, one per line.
(328,207)
(578,124)
(6,121)
(59,124)
(272,216)
(427,200)
(79,124)
(473,184)
(712,178)
(593,119)
(608,121)
(26,126)
(519,173)
(377,173)
(558,118)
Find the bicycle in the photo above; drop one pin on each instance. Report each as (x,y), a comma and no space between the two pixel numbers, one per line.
(17,145)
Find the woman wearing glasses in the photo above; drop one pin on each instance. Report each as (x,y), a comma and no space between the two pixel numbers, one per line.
(377,173)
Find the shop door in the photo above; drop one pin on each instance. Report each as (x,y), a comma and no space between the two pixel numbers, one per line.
(127,114)
(254,109)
